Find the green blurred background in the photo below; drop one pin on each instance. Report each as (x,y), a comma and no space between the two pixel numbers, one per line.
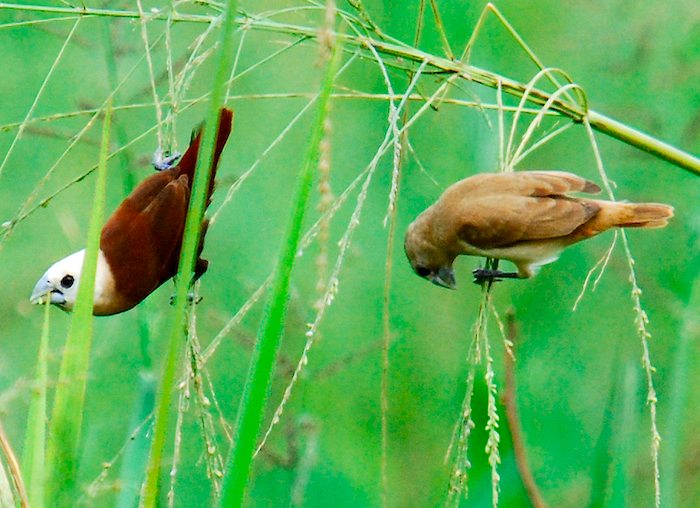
(581,389)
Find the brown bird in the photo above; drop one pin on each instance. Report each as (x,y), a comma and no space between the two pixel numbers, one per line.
(526,217)
(140,243)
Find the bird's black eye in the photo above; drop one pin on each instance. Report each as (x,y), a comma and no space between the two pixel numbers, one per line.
(422,271)
(67,281)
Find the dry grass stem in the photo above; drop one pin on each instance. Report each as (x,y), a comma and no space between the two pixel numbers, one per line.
(10,460)
(512,415)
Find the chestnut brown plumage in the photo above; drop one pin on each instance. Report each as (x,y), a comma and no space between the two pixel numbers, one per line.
(140,243)
(526,217)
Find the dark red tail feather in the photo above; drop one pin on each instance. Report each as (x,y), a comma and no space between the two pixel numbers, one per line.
(187,164)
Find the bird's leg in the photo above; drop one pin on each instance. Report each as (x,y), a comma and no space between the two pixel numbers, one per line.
(482,275)
(163,160)
(192,298)
(200,268)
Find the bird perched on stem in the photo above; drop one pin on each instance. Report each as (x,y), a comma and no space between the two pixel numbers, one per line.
(140,243)
(526,217)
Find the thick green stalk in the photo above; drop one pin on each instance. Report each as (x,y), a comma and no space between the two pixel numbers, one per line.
(190,242)
(67,416)
(252,405)
(643,141)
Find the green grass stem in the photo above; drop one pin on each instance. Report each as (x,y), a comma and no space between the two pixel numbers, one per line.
(255,393)
(33,455)
(623,451)
(190,242)
(136,454)
(67,415)
(602,451)
(681,383)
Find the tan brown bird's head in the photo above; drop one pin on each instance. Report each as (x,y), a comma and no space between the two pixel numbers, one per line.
(428,260)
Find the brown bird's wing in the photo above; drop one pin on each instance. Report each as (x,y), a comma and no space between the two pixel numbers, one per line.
(549,183)
(165,220)
(142,238)
(520,183)
(500,220)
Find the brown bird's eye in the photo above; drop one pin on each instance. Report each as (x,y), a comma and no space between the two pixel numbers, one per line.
(422,271)
(67,281)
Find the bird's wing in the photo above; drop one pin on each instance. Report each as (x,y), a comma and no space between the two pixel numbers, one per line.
(521,183)
(549,183)
(142,239)
(164,221)
(147,190)
(500,220)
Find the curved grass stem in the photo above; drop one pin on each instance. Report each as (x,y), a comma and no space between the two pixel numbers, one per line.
(407,54)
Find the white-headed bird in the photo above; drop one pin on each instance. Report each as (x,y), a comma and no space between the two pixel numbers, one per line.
(140,243)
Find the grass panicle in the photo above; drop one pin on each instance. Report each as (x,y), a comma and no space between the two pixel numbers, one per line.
(459,445)
(344,243)
(641,320)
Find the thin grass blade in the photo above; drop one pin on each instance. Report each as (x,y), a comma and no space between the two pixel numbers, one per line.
(672,453)
(252,406)
(136,455)
(67,416)
(624,440)
(33,455)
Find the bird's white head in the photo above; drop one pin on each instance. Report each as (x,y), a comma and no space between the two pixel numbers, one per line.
(60,282)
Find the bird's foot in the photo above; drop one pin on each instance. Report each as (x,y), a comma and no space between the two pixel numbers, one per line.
(483,275)
(163,160)
(192,299)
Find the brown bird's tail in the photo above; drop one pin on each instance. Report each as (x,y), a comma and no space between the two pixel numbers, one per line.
(640,215)
(188,162)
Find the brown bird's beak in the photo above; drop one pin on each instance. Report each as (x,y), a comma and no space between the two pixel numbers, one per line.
(445,277)
(44,289)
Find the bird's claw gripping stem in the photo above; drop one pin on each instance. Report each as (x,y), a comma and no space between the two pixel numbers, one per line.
(161,161)
(191,299)
(483,275)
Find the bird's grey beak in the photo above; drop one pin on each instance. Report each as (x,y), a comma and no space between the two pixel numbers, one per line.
(444,278)
(44,289)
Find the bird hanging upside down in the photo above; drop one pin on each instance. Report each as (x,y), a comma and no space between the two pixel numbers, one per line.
(526,217)
(140,243)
